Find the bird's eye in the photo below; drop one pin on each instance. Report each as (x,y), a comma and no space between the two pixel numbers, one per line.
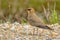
(29,9)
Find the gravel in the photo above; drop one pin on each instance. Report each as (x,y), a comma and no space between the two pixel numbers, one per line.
(16,31)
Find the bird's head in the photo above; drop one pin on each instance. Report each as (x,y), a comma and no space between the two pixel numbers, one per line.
(30,10)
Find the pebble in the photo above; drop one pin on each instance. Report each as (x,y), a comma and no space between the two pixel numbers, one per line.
(28,32)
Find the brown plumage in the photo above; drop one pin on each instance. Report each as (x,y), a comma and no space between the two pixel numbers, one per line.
(34,20)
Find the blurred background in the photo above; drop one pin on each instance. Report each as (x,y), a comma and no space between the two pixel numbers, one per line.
(13,10)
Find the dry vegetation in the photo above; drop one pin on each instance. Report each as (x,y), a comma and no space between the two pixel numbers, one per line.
(9,9)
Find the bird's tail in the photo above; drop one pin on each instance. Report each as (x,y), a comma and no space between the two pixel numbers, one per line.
(44,27)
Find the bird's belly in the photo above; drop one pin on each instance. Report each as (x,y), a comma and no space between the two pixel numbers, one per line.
(34,23)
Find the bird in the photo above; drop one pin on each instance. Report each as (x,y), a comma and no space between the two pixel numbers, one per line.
(34,20)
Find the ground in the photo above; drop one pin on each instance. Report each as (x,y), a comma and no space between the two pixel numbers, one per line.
(16,31)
